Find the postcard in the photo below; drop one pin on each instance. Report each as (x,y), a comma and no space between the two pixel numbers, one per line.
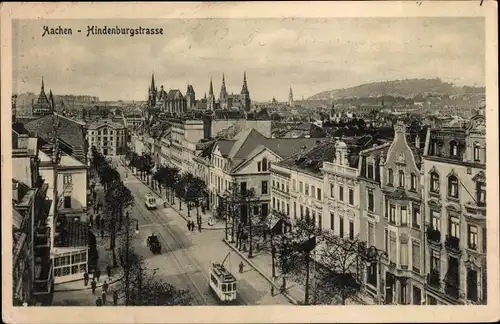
(250,162)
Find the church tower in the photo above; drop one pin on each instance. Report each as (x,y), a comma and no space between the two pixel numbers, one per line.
(211,97)
(245,94)
(190,97)
(223,96)
(290,99)
(42,106)
(152,92)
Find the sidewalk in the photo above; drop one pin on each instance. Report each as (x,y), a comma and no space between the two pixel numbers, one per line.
(217,225)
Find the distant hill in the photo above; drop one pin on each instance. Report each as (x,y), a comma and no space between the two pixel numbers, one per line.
(407,88)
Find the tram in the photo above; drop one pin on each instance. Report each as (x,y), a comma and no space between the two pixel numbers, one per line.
(150,201)
(222,282)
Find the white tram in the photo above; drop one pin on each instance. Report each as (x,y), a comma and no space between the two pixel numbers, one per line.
(150,201)
(222,282)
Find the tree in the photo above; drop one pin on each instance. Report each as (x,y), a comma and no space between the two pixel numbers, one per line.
(341,268)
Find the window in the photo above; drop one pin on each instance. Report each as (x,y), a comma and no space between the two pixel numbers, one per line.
(243,188)
(415,218)
(403,255)
(454,226)
(341,193)
(307,190)
(274,203)
(417,296)
(277,204)
(274,183)
(401,178)
(404,215)
(320,222)
(371,204)
(481,193)
(264,165)
(301,187)
(256,210)
(390,177)
(386,240)
(67,202)
(392,248)
(472,237)
(371,234)
(485,241)
(314,217)
(301,211)
(264,187)
(435,262)
(434,182)
(288,209)
(413,182)
(386,206)
(351,230)
(332,221)
(294,209)
(369,170)
(453,149)
(477,147)
(332,190)
(264,208)
(341,227)
(282,186)
(435,220)
(351,197)
(415,256)
(318,193)
(313,191)
(259,166)
(294,185)
(67,179)
(287,188)
(453,187)
(392,214)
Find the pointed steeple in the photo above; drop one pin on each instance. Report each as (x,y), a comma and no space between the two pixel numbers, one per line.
(51,100)
(223,91)
(211,89)
(153,81)
(43,87)
(244,88)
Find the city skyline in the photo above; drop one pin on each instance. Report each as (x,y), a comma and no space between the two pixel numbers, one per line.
(276,54)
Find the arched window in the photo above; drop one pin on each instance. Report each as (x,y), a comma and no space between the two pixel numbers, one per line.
(434,182)
(413,181)
(264,165)
(390,179)
(453,186)
(481,193)
(453,149)
(401,178)
(477,147)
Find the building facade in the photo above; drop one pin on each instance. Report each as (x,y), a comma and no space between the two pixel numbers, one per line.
(455,214)
(109,138)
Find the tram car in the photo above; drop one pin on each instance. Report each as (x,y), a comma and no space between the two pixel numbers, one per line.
(222,283)
(150,201)
(154,243)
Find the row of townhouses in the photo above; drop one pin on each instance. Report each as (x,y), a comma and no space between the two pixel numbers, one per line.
(50,236)
(419,198)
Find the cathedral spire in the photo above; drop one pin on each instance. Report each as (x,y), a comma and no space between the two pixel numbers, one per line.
(211,90)
(244,88)
(43,87)
(153,81)
(223,91)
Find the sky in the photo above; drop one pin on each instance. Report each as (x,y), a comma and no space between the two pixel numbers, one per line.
(309,55)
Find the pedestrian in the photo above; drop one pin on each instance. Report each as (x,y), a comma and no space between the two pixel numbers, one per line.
(102,233)
(108,270)
(93,284)
(189,225)
(85,278)
(272,291)
(103,296)
(105,286)
(98,301)
(241,266)
(192,226)
(97,273)
(115,298)
(98,221)
(91,220)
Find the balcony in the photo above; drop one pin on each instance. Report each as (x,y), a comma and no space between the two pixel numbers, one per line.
(433,279)
(433,236)
(42,237)
(452,244)
(44,278)
(475,211)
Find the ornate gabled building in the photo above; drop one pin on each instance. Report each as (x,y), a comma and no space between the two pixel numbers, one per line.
(44,106)
(454,173)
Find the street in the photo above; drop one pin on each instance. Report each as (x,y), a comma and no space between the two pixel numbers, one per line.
(186,255)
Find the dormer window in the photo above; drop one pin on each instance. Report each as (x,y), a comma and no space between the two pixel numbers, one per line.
(264,165)
(453,186)
(477,147)
(390,177)
(453,149)
(413,182)
(401,178)
(434,182)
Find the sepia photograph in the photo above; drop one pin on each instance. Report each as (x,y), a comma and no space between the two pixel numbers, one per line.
(212,155)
